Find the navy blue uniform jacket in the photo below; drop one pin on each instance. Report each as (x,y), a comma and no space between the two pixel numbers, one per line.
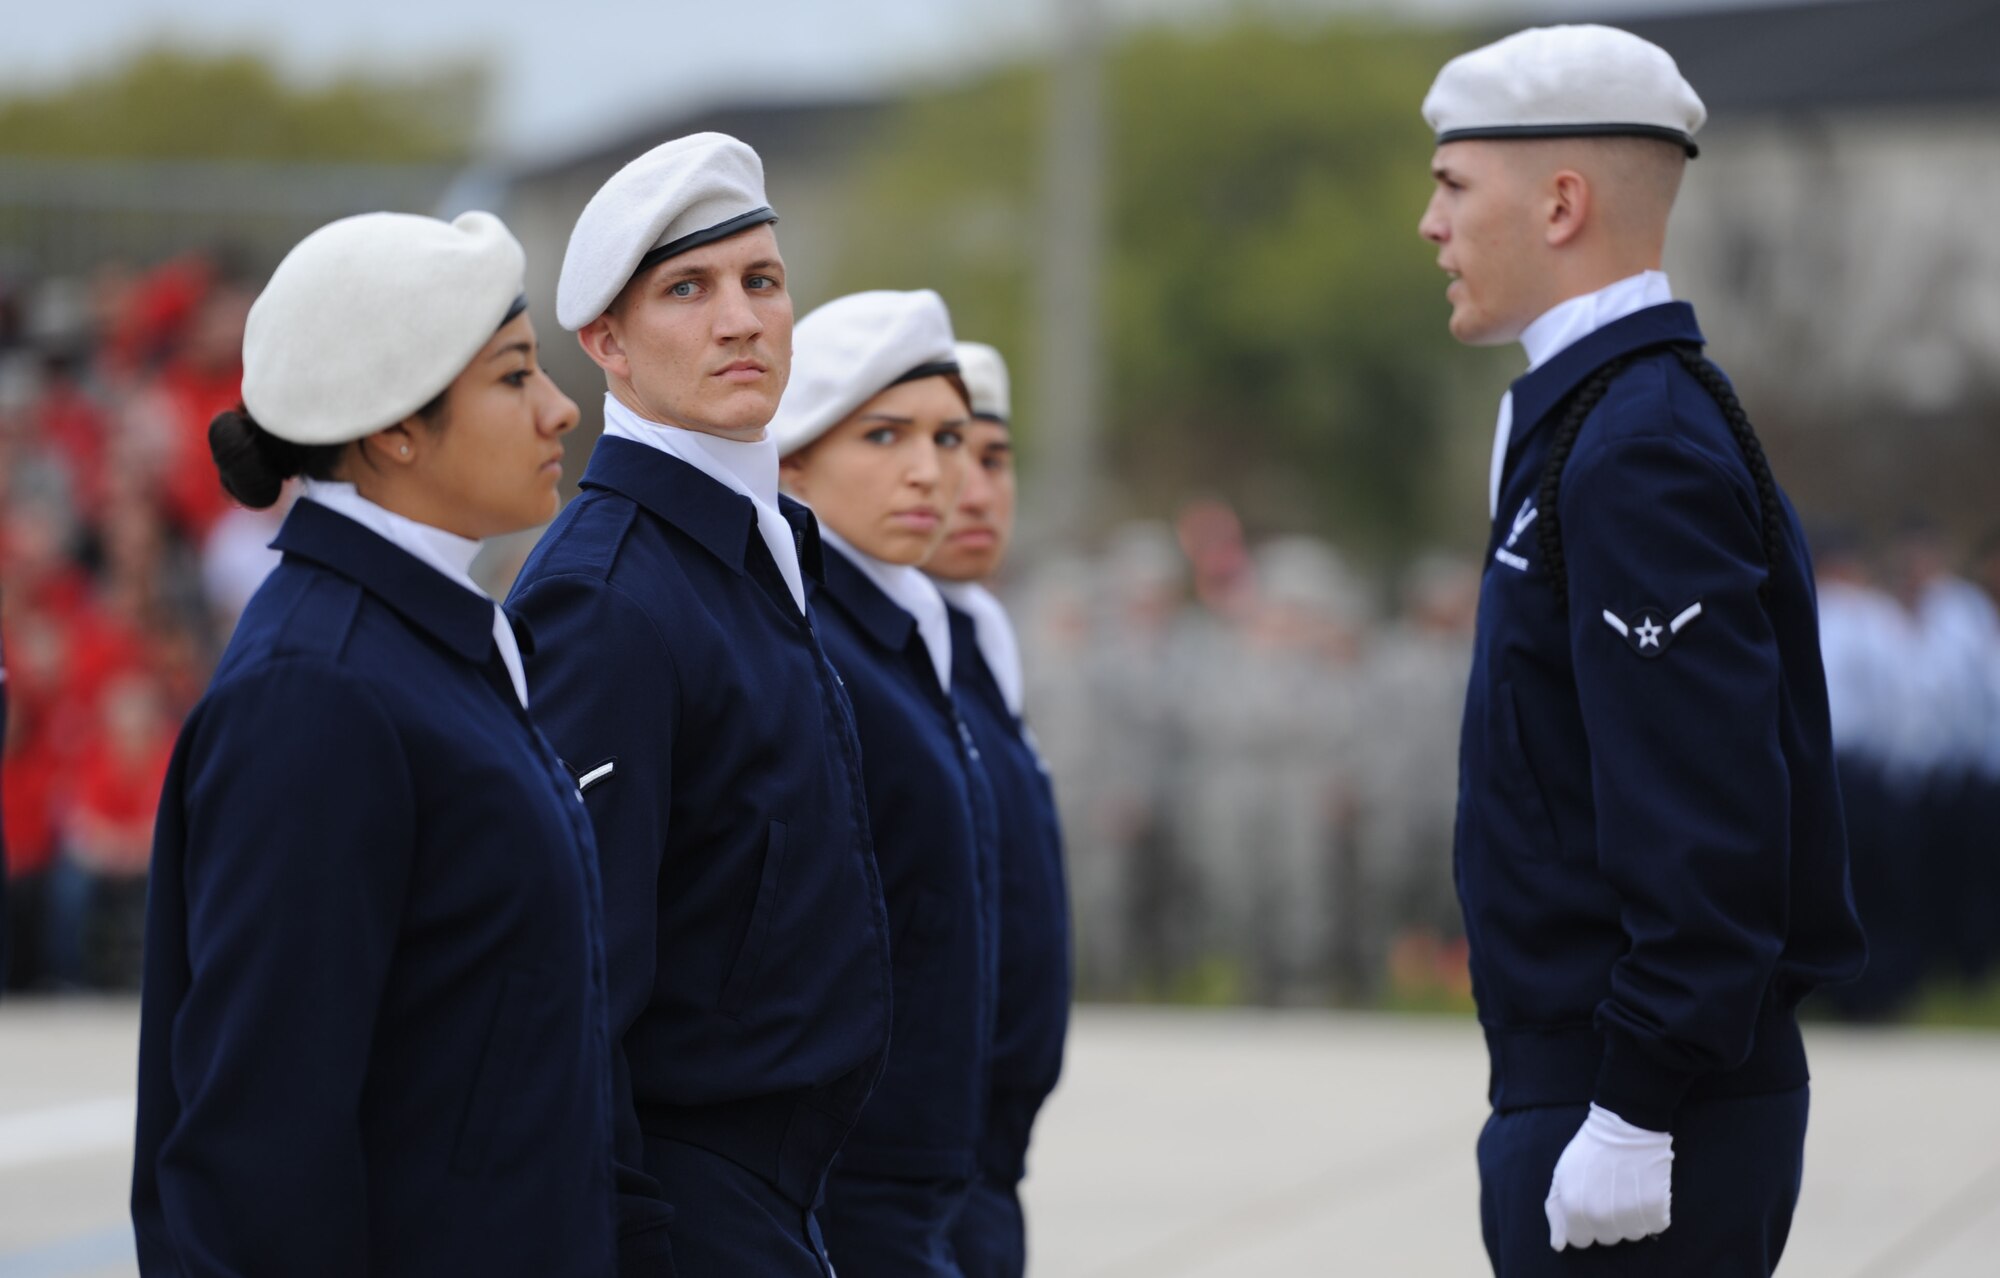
(372,1037)
(1032,1014)
(749,963)
(1650,852)
(932,813)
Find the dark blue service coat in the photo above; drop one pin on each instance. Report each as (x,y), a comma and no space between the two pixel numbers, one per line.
(1650,852)
(372,1037)
(1033,1001)
(748,952)
(932,812)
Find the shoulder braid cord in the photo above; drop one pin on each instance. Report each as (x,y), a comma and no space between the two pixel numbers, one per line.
(1584,399)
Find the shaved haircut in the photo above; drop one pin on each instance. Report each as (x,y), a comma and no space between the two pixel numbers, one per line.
(1635,180)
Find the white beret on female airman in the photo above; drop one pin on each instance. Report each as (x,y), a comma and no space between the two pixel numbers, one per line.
(851,350)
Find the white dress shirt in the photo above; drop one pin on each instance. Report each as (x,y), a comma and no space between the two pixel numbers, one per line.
(995,632)
(448,553)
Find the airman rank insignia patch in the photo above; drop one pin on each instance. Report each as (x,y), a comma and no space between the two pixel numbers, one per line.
(1650,632)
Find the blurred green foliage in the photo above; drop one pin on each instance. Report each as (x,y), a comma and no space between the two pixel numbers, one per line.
(170,104)
(1957,1005)
(1274,327)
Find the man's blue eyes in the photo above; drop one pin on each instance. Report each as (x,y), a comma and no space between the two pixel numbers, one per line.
(688,288)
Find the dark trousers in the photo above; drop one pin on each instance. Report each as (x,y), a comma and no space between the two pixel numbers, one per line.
(1959,876)
(1737,1163)
(1979,919)
(885,1227)
(1887,864)
(991,1238)
(729,1222)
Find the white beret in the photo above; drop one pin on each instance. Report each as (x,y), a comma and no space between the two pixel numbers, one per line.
(678,196)
(367,319)
(1572,81)
(851,350)
(985,374)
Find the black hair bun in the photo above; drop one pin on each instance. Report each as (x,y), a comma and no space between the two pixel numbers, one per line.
(254,463)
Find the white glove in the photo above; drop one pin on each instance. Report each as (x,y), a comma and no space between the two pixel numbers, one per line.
(1615,1183)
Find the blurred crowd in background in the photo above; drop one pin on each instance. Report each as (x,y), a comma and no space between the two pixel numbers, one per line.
(1911,640)
(1254,739)
(122,566)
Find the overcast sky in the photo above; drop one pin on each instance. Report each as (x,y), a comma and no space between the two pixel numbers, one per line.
(574,71)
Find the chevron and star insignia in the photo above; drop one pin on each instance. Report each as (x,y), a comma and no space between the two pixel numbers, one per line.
(1650,632)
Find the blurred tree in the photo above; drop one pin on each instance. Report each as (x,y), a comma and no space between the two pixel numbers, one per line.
(171,104)
(1276,330)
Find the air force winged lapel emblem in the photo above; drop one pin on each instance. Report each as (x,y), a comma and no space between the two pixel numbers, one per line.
(1522,521)
(1650,632)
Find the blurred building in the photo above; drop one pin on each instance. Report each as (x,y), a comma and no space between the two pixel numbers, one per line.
(68,217)
(1835,235)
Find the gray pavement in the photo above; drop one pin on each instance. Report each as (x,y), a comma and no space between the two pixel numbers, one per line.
(1193,1144)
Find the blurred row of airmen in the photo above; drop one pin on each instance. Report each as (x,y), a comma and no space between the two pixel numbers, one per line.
(1278,808)
(1258,784)
(1913,682)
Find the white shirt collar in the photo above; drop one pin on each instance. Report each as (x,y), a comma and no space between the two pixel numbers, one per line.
(911,591)
(747,468)
(998,644)
(1567,323)
(1561,327)
(447,553)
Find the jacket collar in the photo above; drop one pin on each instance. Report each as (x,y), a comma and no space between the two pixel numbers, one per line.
(970,669)
(805,530)
(419,593)
(721,519)
(879,616)
(1537,393)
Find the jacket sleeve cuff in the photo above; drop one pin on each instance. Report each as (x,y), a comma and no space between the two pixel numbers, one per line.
(1638,1088)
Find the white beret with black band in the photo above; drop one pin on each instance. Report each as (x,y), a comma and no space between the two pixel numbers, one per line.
(985,374)
(678,196)
(851,350)
(368,318)
(1569,81)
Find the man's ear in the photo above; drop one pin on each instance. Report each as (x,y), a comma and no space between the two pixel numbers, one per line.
(600,341)
(1568,207)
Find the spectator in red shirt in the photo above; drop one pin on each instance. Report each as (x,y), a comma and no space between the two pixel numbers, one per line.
(203,378)
(105,807)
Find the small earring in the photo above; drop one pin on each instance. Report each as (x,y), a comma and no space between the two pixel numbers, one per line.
(404,450)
